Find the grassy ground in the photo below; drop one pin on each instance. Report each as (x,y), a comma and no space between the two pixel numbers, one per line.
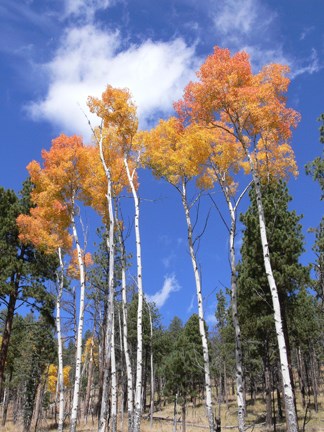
(197,421)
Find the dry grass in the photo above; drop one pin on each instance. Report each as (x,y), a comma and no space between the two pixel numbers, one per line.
(196,420)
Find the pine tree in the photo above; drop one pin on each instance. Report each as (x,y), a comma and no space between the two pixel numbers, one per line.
(254,297)
(23,270)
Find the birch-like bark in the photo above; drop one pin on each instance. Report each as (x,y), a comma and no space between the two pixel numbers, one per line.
(202,330)
(60,381)
(238,345)
(291,415)
(108,337)
(139,355)
(78,361)
(89,380)
(121,349)
(129,372)
(113,380)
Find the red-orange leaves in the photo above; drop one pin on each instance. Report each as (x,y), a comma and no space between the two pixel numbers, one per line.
(251,107)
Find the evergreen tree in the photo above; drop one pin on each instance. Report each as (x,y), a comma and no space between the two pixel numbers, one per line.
(23,270)
(254,297)
(316,169)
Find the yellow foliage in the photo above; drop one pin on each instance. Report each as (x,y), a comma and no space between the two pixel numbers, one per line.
(52,378)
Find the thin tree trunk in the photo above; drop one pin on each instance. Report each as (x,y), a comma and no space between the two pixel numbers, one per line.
(129,372)
(202,329)
(111,281)
(89,380)
(122,380)
(6,400)
(267,380)
(238,345)
(175,413)
(113,380)
(8,328)
(60,380)
(78,363)
(314,378)
(183,411)
(139,354)
(301,375)
(291,416)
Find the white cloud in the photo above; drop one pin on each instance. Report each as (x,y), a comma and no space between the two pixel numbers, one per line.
(233,16)
(89,59)
(310,66)
(85,9)
(170,285)
(211,319)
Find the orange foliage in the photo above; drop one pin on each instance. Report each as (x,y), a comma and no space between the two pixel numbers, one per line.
(175,152)
(74,270)
(250,107)
(57,187)
(117,112)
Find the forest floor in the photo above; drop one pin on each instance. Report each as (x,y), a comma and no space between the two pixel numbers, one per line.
(196,420)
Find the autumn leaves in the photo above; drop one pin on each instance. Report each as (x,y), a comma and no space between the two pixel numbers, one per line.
(228,120)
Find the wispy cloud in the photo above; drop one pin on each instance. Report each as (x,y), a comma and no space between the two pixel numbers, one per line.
(88,59)
(85,9)
(309,66)
(241,21)
(170,285)
(191,306)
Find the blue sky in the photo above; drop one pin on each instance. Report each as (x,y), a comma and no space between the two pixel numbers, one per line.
(56,53)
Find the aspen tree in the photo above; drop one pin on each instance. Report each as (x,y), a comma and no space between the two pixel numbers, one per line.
(251,108)
(119,113)
(57,189)
(178,155)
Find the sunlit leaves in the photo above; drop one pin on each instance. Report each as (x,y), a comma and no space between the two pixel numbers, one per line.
(251,107)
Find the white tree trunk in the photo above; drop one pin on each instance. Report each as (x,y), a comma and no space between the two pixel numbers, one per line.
(113,380)
(108,337)
(238,347)
(78,361)
(139,360)
(60,381)
(202,330)
(129,372)
(291,415)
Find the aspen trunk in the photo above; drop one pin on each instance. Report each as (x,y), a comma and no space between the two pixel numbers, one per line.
(291,415)
(108,336)
(78,362)
(129,372)
(202,330)
(122,380)
(89,380)
(113,380)
(240,388)
(139,355)
(60,380)
(238,345)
